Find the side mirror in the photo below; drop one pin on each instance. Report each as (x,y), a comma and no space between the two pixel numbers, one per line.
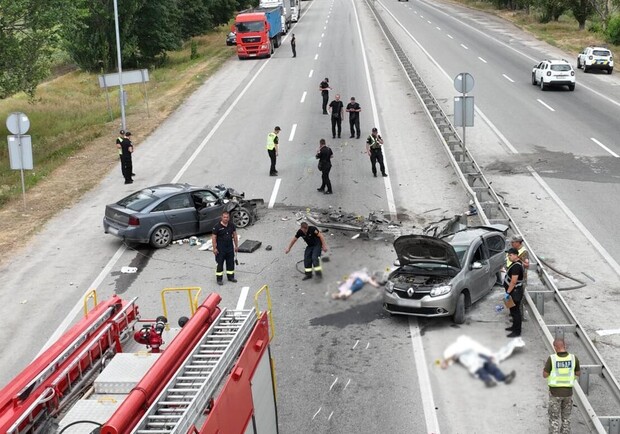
(476,266)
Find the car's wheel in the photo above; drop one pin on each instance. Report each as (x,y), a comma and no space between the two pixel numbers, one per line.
(585,68)
(459,313)
(578,64)
(534,83)
(610,70)
(571,87)
(543,86)
(161,237)
(241,217)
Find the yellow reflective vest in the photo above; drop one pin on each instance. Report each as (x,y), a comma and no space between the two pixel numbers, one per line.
(271,141)
(562,371)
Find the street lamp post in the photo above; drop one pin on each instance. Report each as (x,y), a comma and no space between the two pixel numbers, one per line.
(120,67)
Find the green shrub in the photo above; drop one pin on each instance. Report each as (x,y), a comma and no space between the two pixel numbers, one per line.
(595,27)
(613,30)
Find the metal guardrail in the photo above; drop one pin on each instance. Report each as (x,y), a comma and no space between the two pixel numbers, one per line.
(596,376)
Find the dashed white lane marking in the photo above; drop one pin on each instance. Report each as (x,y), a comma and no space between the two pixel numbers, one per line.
(428,403)
(316,56)
(367,345)
(438,28)
(464,46)
(333,384)
(421,16)
(330,415)
(428,21)
(415,12)
(242,297)
(326,21)
(322,34)
(546,105)
(292,135)
(311,72)
(320,43)
(450,36)
(317,412)
(274,193)
(356,342)
(508,78)
(482,60)
(573,218)
(324,27)
(303,96)
(604,147)
(345,386)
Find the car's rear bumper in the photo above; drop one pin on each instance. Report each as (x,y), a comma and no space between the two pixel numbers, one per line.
(560,82)
(600,66)
(427,306)
(127,234)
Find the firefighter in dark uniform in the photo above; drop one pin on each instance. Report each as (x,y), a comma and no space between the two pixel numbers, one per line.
(126,161)
(225,245)
(374,143)
(312,255)
(324,88)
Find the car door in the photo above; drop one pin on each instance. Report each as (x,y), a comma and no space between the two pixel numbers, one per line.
(209,208)
(477,279)
(537,72)
(496,246)
(180,214)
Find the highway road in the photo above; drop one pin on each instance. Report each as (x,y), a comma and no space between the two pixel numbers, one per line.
(342,366)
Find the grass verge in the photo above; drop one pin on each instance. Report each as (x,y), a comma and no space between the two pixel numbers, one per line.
(73,136)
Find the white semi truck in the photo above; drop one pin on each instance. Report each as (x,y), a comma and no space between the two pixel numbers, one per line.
(286,11)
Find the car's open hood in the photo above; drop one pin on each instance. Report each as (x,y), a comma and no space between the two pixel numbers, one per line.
(413,249)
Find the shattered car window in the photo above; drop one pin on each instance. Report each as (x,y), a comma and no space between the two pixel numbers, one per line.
(138,201)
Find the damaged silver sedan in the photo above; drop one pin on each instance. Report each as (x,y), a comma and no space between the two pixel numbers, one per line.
(444,276)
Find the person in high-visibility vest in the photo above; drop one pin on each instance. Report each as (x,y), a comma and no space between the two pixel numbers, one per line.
(560,370)
(272,150)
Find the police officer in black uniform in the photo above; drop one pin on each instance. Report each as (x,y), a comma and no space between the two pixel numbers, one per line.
(324,154)
(324,88)
(126,161)
(374,143)
(337,109)
(513,285)
(315,243)
(225,244)
(354,110)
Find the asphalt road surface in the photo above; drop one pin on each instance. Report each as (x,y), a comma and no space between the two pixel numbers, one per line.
(342,366)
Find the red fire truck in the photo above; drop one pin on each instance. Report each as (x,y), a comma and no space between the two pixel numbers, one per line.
(215,375)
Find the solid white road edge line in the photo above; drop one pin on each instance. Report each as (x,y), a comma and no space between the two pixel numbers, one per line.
(432,424)
(604,147)
(508,78)
(428,401)
(303,97)
(274,193)
(242,297)
(78,305)
(573,218)
(545,104)
(375,117)
(292,135)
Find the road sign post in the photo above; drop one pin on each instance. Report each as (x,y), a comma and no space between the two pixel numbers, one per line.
(464,105)
(20,146)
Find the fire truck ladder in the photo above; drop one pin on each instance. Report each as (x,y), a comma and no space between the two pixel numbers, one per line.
(183,400)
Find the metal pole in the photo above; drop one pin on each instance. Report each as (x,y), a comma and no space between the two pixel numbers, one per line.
(463,110)
(21,158)
(120,67)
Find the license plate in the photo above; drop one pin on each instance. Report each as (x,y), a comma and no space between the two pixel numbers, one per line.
(113,231)
(252,55)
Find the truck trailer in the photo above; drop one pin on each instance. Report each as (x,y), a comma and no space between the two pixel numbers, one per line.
(287,11)
(259,32)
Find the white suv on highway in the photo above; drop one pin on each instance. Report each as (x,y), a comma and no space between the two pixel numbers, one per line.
(596,58)
(553,73)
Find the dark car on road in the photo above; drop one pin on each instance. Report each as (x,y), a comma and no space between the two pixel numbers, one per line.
(160,214)
(443,276)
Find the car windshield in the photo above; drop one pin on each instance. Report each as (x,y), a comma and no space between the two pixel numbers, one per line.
(601,53)
(560,67)
(250,26)
(460,253)
(138,201)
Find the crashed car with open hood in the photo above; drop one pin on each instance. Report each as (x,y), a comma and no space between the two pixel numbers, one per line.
(160,214)
(444,276)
